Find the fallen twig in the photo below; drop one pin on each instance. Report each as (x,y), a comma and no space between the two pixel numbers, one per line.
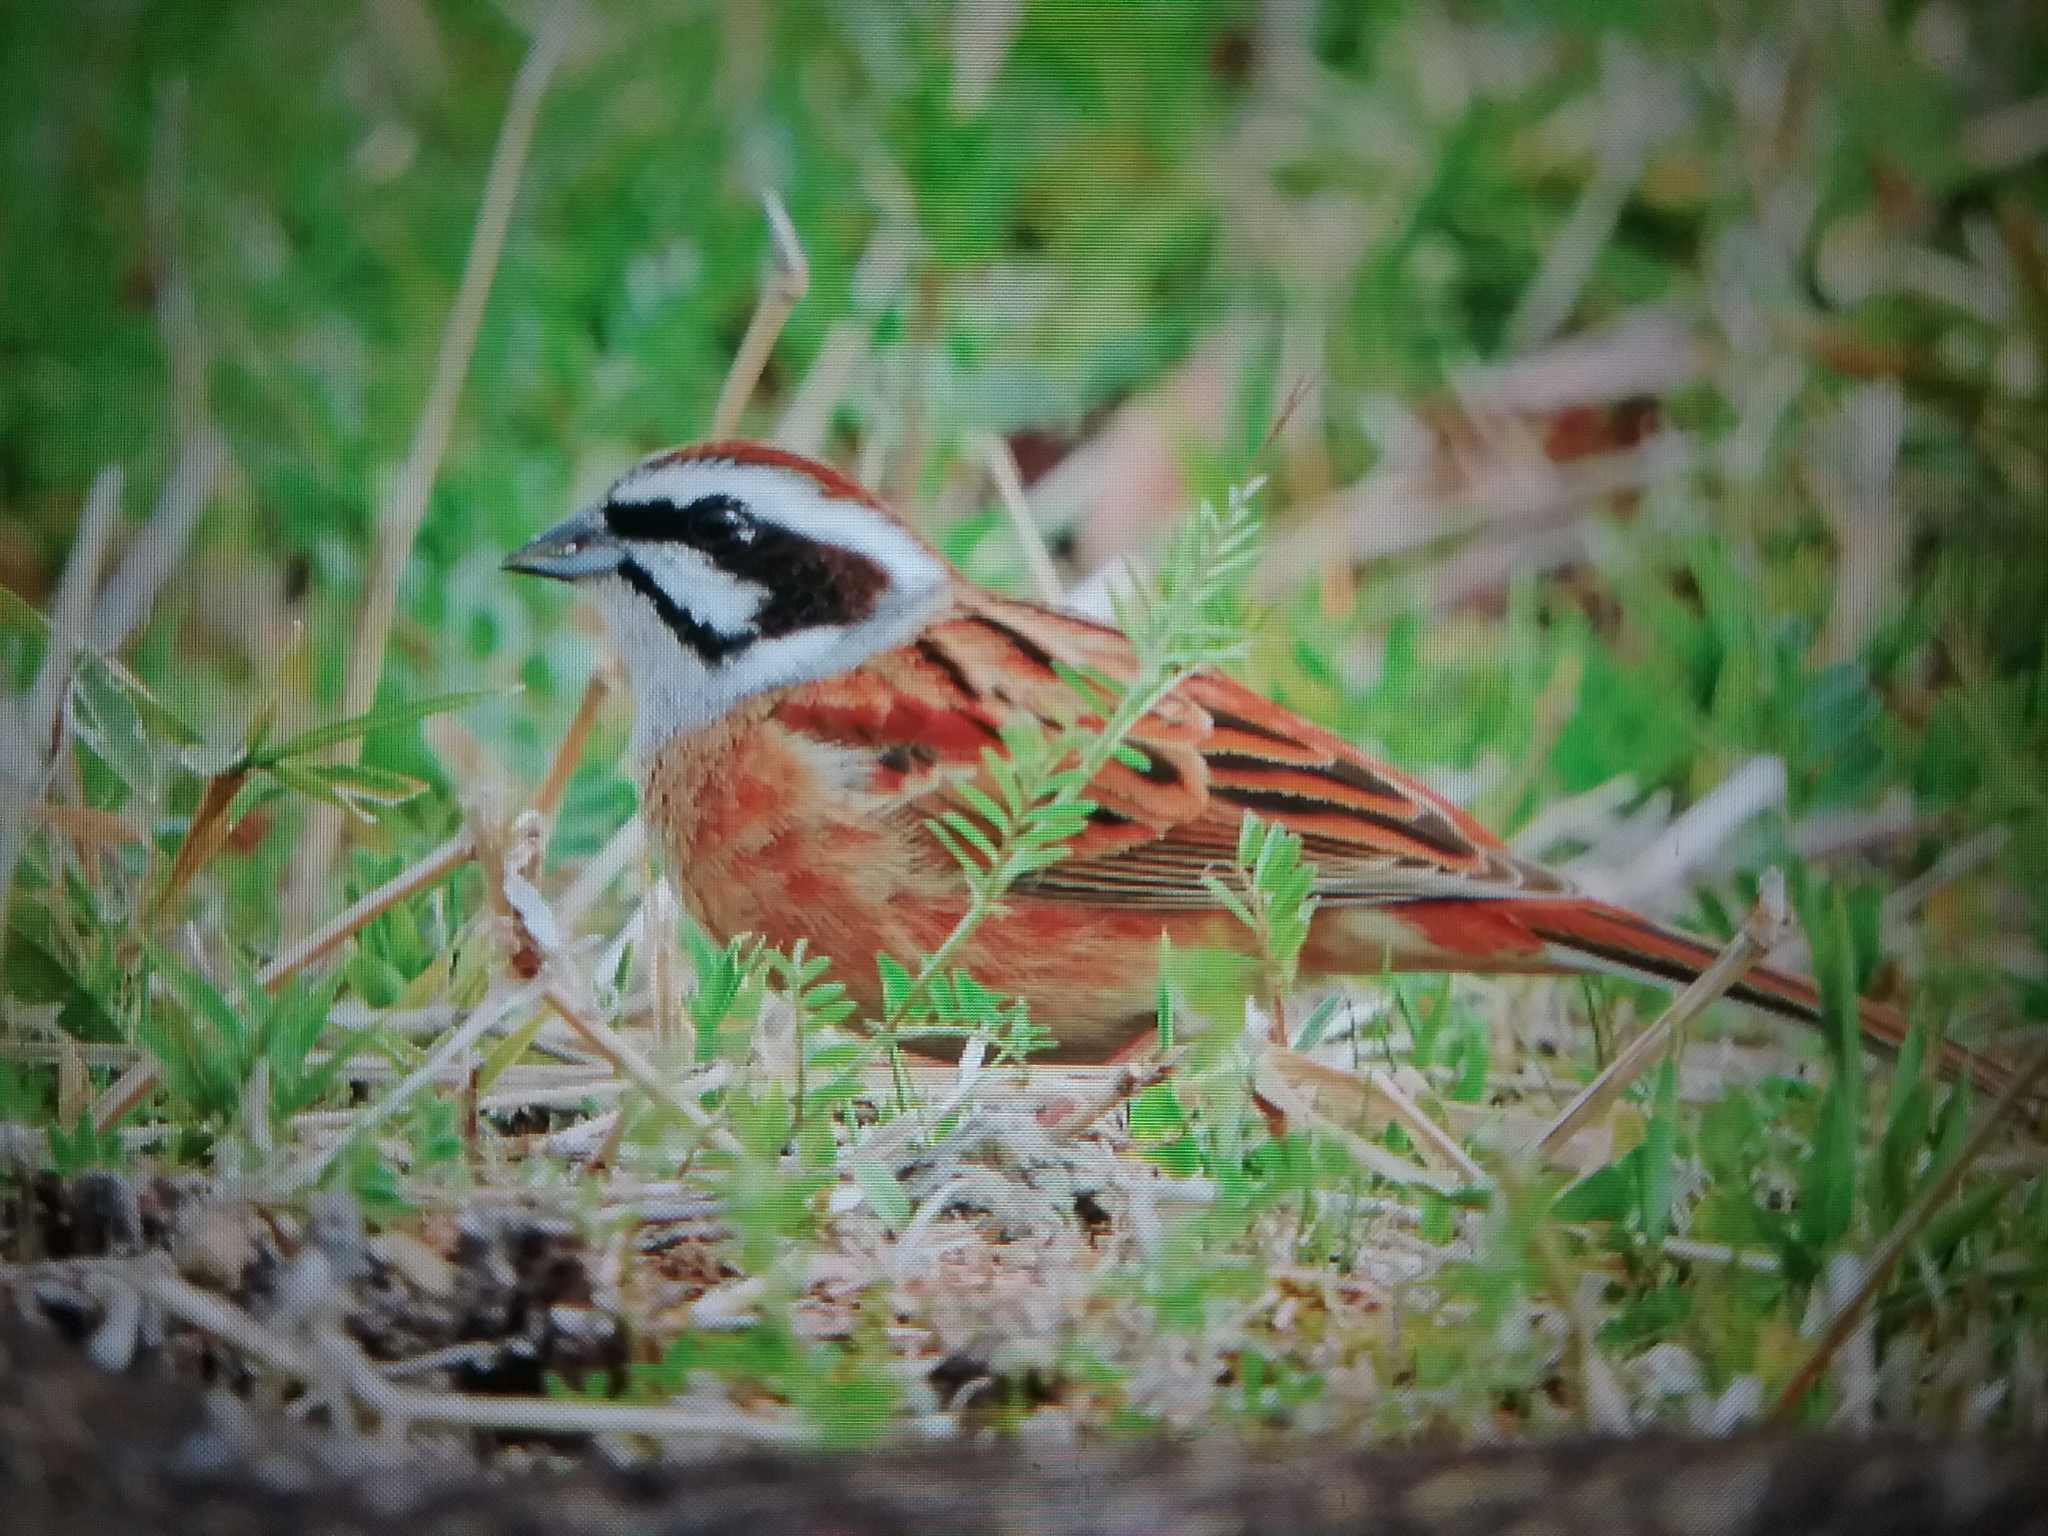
(1130,1080)
(626,1057)
(1283,1094)
(495,1009)
(1750,944)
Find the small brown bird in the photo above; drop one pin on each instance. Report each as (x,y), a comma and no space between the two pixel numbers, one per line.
(813,680)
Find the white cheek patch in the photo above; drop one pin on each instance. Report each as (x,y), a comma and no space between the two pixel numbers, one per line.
(707,592)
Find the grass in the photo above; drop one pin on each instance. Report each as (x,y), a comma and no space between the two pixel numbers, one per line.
(1770,603)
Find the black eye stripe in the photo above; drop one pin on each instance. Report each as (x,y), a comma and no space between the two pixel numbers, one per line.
(809,583)
(663,522)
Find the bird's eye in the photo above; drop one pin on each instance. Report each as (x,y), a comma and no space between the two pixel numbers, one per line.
(571,546)
(731,520)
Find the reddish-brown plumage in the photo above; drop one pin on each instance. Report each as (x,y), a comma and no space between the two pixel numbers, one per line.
(801,815)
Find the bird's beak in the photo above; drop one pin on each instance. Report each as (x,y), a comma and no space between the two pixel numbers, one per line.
(572,550)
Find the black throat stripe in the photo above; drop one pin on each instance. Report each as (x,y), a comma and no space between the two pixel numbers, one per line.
(711,645)
(810,583)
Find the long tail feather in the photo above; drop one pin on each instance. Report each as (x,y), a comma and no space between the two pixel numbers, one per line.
(1589,936)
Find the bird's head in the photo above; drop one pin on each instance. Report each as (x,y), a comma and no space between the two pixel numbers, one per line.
(726,569)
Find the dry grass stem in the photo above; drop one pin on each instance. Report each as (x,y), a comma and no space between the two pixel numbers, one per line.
(1829,834)
(1404,508)
(69,614)
(891,1141)
(1877,1271)
(123,1094)
(1372,1098)
(502,1004)
(1627,98)
(548,798)
(1576,818)
(28,748)
(1752,941)
(131,591)
(1695,1251)
(1129,1080)
(1484,568)
(982,33)
(1284,1094)
(402,886)
(1956,864)
(81,823)
(1850,468)
(807,419)
(1651,352)
(620,852)
(1002,468)
(626,1057)
(789,279)
(399,523)
(1757,786)
(2007,137)
(663,956)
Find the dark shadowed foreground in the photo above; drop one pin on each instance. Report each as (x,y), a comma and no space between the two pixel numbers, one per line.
(84,1452)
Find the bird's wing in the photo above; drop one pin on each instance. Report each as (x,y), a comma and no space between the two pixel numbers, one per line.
(1212,751)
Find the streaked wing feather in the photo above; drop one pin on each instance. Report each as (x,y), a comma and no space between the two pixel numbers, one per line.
(1213,751)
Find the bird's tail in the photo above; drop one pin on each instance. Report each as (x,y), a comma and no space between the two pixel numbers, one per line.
(1591,936)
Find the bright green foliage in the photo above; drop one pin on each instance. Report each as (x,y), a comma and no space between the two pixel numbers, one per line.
(728,981)
(839,1389)
(1273,900)
(208,1046)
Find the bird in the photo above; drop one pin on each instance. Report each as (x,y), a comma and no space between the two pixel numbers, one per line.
(813,683)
